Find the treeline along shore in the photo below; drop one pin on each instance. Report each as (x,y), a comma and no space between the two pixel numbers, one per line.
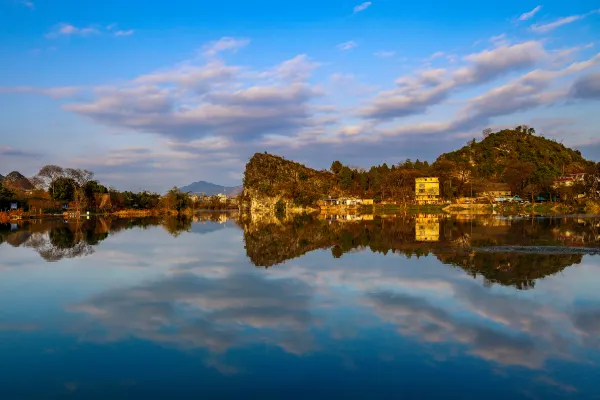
(509,170)
(57,190)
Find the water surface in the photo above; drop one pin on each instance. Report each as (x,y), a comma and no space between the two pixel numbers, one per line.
(414,306)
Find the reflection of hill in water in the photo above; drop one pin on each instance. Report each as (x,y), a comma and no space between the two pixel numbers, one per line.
(511,269)
(273,243)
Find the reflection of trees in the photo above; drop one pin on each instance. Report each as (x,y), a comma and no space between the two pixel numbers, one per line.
(49,251)
(511,269)
(268,244)
(66,241)
(176,226)
(55,239)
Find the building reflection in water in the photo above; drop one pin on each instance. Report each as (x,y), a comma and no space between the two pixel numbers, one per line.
(427,228)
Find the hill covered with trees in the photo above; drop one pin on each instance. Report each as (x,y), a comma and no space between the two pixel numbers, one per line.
(517,157)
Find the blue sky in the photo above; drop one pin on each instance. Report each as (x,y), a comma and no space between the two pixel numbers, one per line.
(151,95)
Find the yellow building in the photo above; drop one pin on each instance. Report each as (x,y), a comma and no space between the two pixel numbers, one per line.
(427,190)
(367,202)
(427,228)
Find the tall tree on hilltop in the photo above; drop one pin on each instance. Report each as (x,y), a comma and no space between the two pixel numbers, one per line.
(336,167)
(346,178)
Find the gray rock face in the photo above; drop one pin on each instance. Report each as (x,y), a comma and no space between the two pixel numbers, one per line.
(17,180)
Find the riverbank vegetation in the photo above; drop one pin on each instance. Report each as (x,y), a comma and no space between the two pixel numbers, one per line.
(55,190)
(527,164)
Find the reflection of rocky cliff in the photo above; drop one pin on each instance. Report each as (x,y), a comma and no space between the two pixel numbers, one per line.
(268,244)
(275,242)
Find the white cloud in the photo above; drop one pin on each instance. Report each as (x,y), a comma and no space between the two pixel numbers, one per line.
(587,87)
(416,93)
(362,7)
(65,29)
(124,33)
(195,101)
(347,45)
(533,89)
(298,68)
(499,40)
(225,44)
(543,28)
(437,54)
(530,14)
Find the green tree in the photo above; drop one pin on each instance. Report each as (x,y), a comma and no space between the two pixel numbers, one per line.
(364,181)
(336,167)
(177,200)
(6,197)
(346,178)
(62,189)
(517,175)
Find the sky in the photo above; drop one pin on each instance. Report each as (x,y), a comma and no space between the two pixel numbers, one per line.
(153,95)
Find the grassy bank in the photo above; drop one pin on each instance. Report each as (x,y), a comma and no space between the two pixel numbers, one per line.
(538,208)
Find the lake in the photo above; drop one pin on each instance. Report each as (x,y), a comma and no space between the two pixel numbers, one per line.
(352,306)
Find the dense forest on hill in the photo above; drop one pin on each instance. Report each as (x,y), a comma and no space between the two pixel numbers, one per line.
(502,155)
(517,157)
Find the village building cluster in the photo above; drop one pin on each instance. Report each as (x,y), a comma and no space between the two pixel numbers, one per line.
(427,192)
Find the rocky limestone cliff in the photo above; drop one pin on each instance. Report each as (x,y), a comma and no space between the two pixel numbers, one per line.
(273,185)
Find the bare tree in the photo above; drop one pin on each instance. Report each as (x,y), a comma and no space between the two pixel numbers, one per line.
(50,173)
(37,182)
(486,132)
(80,176)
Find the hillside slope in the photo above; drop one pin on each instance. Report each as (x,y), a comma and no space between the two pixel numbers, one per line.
(491,157)
(16,180)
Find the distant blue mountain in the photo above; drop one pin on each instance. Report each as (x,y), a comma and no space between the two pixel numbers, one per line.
(210,189)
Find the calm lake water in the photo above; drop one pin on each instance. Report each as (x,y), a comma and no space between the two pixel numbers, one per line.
(406,307)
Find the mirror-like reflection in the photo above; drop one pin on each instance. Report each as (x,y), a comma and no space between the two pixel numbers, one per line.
(419,305)
(452,241)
